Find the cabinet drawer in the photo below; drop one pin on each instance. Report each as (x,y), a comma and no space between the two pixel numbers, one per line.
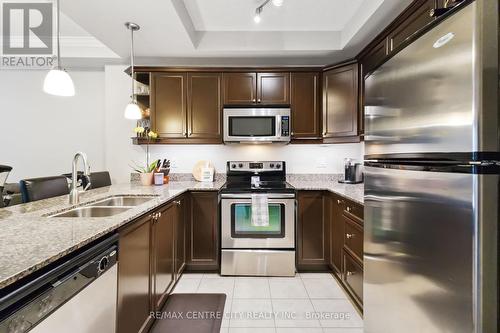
(353,276)
(355,210)
(353,237)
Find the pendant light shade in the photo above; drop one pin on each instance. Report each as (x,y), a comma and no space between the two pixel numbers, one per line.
(57,81)
(132,110)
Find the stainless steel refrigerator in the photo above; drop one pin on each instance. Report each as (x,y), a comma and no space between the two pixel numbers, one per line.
(432,180)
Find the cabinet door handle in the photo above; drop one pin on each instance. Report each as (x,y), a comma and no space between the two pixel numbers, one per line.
(177,202)
(292,133)
(338,201)
(159,214)
(348,209)
(253,100)
(258,101)
(349,236)
(190,132)
(349,273)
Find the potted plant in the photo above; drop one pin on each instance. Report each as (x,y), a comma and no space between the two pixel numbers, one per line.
(146,173)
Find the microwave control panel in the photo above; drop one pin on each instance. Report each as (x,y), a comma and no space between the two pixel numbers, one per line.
(285,126)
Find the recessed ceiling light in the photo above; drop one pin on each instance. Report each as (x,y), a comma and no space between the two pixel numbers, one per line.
(278,3)
(443,40)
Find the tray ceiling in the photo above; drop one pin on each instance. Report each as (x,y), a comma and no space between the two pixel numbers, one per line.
(223,32)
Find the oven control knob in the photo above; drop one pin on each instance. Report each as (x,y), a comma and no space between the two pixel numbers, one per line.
(233,166)
(271,165)
(240,165)
(278,166)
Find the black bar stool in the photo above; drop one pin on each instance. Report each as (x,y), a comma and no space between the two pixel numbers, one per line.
(97,179)
(42,188)
(4,173)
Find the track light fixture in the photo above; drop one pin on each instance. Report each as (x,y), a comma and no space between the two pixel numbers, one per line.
(258,10)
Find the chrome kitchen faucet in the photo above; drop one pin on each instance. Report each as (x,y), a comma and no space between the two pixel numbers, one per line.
(74,193)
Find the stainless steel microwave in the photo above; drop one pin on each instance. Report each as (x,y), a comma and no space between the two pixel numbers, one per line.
(256,125)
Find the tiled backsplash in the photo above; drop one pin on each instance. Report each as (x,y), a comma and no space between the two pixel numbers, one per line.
(179,177)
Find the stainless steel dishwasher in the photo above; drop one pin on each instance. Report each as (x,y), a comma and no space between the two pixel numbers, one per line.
(77,295)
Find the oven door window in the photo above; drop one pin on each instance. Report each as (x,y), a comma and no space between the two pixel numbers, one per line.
(252,126)
(241,222)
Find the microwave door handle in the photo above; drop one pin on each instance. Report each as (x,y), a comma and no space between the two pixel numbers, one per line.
(278,131)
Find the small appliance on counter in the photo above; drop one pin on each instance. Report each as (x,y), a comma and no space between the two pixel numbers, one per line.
(257,220)
(352,172)
(203,171)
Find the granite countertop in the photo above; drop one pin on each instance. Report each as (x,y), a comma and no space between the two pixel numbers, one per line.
(354,192)
(29,240)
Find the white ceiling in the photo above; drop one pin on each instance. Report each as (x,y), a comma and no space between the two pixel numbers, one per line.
(222,32)
(293,15)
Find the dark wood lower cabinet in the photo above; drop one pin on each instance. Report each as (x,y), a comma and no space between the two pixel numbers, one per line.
(336,232)
(330,238)
(180,235)
(353,238)
(163,254)
(134,283)
(352,276)
(313,244)
(151,259)
(202,241)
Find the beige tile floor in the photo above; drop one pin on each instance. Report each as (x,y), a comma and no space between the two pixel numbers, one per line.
(308,302)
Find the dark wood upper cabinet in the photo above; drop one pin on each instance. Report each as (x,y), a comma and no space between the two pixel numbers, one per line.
(163,254)
(313,237)
(375,56)
(203,232)
(418,19)
(305,105)
(273,88)
(240,88)
(204,111)
(250,88)
(411,20)
(340,103)
(134,285)
(168,114)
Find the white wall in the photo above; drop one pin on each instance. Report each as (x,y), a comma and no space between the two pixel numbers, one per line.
(120,152)
(40,133)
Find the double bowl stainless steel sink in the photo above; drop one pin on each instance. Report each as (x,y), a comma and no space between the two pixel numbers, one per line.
(106,207)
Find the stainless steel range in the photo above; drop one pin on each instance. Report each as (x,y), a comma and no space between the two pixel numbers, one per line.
(247,248)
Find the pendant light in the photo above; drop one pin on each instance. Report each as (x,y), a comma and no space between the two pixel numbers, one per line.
(57,81)
(132,110)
